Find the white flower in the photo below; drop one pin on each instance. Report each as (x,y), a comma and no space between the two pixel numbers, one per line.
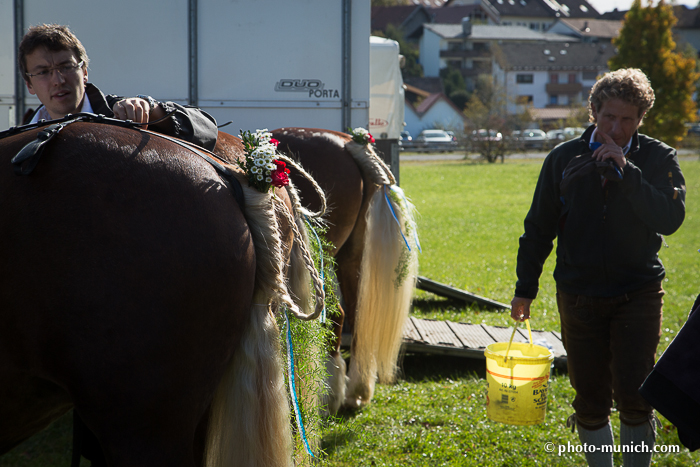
(268,179)
(270,166)
(254,169)
(260,177)
(360,131)
(260,162)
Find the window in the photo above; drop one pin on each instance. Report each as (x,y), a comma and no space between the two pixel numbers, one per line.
(454,45)
(524,78)
(524,100)
(553,100)
(535,26)
(590,75)
(454,64)
(572,78)
(554,78)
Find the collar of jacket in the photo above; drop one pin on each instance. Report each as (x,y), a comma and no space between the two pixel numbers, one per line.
(586,138)
(98,101)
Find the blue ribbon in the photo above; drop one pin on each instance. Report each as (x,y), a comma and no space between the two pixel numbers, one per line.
(391,208)
(292,386)
(403,195)
(320,252)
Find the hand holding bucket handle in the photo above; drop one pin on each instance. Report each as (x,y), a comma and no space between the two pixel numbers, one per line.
(520,308)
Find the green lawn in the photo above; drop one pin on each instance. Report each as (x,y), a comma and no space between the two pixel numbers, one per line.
(471,216)
(470,219)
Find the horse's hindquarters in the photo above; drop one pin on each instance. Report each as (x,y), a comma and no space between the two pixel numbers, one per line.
(128,278)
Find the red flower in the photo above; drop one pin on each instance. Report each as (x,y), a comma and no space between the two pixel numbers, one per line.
(370,138)
(274,141)
(279,175)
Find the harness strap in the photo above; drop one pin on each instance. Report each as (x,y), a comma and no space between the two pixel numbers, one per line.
(26,160)
(28,157)
(214,160)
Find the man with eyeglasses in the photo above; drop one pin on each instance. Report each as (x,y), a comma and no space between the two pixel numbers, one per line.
(54,64)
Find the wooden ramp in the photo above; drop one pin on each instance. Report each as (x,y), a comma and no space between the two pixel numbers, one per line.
(454,293)
(467,340)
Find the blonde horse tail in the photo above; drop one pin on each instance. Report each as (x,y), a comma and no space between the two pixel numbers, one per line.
(388,274)
(249,422)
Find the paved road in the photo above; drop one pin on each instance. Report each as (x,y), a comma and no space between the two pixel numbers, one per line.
(446,156)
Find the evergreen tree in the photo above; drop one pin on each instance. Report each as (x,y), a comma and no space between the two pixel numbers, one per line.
(452,80)
(646,42)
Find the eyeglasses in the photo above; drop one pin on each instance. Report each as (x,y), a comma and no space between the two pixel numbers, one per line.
(64,70)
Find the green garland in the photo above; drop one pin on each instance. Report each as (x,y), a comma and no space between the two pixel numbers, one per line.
(312,341)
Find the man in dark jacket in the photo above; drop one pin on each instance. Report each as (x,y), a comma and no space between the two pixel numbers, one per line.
(608,198)
(54,65)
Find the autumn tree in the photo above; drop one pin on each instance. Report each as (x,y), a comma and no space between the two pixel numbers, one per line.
(646,42)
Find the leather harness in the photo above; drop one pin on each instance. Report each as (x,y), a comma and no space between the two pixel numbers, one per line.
(27,158)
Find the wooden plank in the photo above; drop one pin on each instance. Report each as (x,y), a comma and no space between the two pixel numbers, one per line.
(557,347)
(501,334)
(410,332)
(448,291)
(472,336)
(437,333)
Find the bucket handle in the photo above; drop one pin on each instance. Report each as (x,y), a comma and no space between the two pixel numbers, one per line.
(515,328)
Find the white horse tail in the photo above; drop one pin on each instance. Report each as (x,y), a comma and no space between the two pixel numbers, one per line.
(388,274)
(249,422)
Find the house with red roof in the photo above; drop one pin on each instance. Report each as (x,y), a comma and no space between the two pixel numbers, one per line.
(434,111)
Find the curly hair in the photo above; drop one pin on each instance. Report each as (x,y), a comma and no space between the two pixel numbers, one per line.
(53,37)
(630,85)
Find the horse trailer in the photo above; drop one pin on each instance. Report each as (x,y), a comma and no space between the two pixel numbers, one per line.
(256,64)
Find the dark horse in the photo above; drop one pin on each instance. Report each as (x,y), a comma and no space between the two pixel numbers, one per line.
(129,292)
(376,270)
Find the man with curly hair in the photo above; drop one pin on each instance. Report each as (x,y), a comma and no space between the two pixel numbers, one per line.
(608,197)
(54,65)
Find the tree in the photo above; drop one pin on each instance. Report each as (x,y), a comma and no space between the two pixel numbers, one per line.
(646,42)
(454,86)
(488,124)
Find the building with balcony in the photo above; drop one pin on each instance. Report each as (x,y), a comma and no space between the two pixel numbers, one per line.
(554,75)
(469,47)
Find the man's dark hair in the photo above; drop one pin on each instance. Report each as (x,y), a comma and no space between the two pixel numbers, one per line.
(53,37)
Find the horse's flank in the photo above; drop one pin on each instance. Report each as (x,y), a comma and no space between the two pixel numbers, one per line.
(126,286)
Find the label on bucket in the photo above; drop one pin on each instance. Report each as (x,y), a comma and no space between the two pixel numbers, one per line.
(521,401)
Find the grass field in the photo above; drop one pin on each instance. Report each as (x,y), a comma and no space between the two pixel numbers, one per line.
(471,216)
(470,219)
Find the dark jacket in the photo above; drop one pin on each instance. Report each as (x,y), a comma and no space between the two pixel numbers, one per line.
(608,236)
(673,387)
(188,122)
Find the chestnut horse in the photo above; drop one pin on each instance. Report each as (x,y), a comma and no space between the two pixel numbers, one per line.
(130,292)
(370,224)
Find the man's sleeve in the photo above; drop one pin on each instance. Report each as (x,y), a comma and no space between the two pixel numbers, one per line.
(540,230)
(659,200)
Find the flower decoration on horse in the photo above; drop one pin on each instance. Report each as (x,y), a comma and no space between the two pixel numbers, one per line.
(261,165)
(361,136)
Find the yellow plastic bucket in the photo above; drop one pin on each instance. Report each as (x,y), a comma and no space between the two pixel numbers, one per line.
(518,384)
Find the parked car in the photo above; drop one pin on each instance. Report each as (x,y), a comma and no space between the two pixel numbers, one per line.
(564,134)
(531,139)
(484,135)
(435,140)
(406,141)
